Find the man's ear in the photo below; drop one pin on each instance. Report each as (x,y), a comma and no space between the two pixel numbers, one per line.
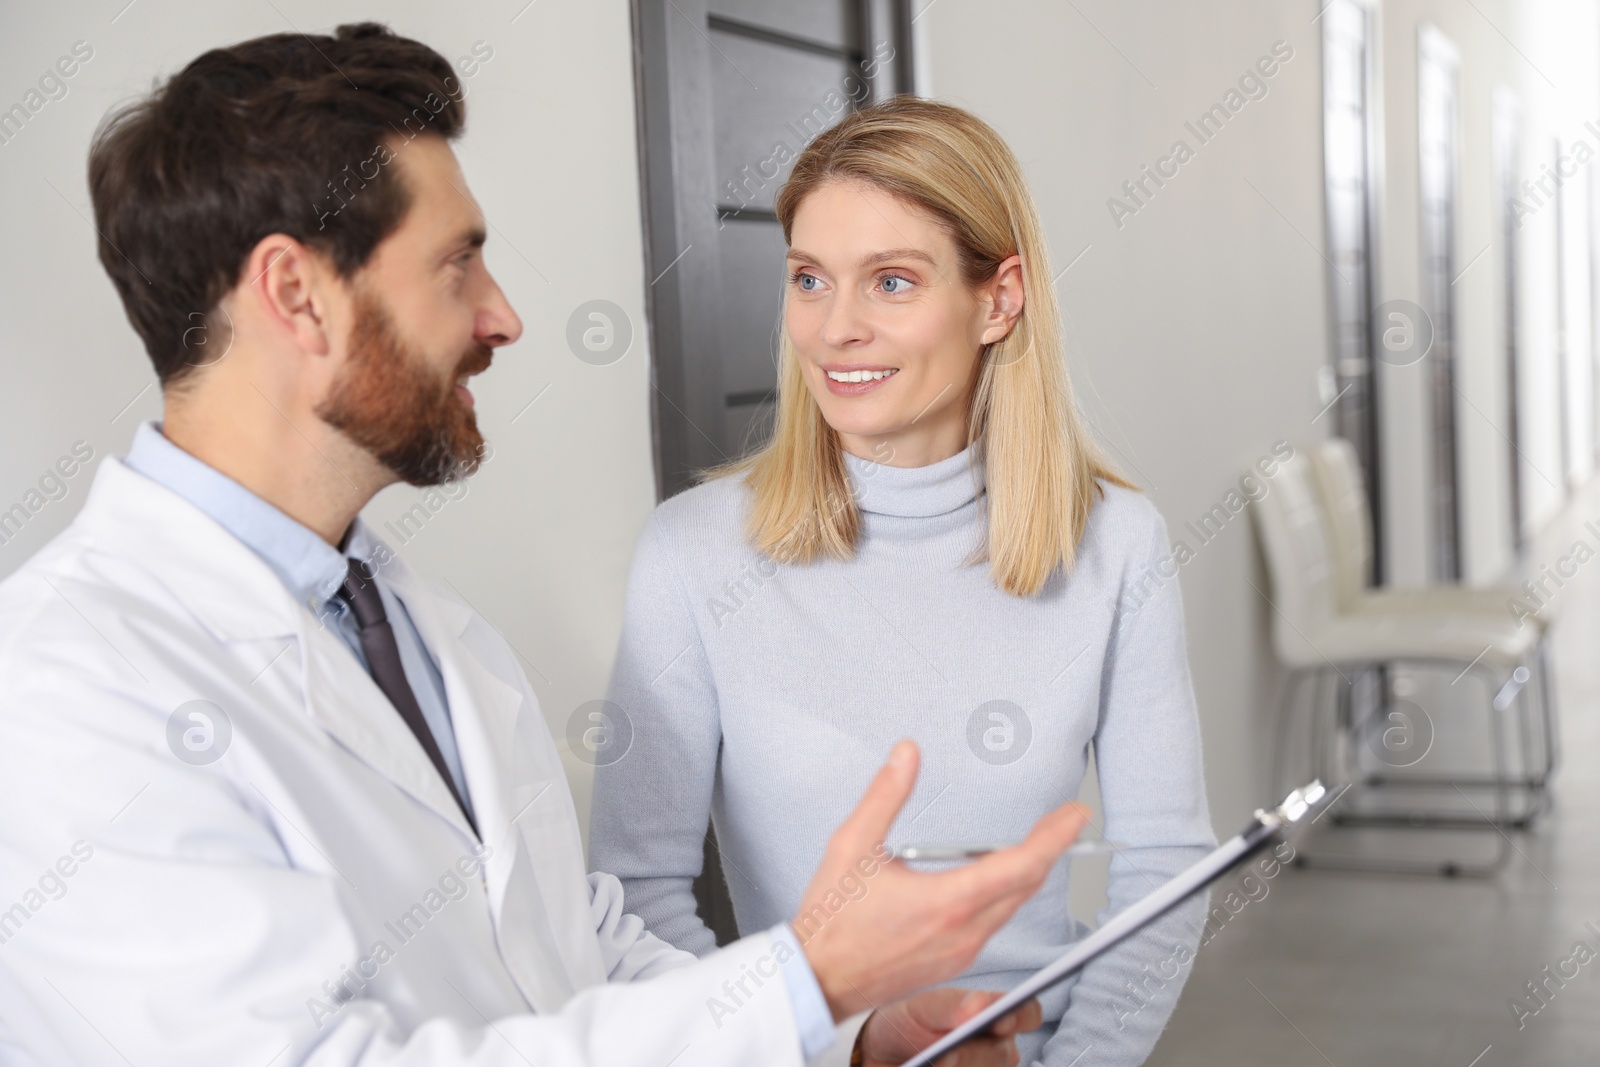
(290,286)
(1004,297)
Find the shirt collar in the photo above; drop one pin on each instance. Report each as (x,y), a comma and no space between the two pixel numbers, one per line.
(311,568)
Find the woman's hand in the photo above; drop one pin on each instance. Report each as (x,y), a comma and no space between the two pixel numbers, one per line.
(874,930)
(903,1029)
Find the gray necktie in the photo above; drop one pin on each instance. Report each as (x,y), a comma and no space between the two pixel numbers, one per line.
(360,591)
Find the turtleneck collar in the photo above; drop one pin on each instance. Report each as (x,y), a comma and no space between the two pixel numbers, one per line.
(915,492)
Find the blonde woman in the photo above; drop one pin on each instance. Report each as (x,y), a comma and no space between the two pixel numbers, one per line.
(930,547)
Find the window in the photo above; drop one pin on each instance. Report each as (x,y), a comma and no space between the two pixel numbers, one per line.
(1438,94)
(1507,151)
(1349,133)
(1573,310)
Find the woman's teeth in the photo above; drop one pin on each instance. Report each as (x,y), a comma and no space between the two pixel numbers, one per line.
(860,375)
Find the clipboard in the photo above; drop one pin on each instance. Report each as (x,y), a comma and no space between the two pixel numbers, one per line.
(1266,828)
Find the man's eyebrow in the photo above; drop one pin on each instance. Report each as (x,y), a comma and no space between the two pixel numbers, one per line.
(887,255)
(472,237)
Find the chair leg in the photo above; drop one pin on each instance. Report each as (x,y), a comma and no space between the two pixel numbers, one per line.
(1522,707)
(1536,712)
(1325,734)
(1502,817)
(1525,779)
(1502,791)
(1313,739)
(1288,690)
(1540,706)
(1532,775)
(1365,718)
(1547,705)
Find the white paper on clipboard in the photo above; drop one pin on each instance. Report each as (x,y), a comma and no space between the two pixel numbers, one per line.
(1266,828)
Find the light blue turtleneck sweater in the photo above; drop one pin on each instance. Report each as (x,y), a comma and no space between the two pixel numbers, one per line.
(765,697)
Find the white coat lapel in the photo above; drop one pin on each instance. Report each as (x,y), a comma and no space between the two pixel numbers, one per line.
(345,701)
(524,924)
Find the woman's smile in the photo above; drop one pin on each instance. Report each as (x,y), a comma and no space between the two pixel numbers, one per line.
(855,379)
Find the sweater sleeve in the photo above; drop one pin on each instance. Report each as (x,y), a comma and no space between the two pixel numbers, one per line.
(1147,754)
(652,805)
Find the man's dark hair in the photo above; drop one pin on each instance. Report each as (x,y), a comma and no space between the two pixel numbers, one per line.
(282,134)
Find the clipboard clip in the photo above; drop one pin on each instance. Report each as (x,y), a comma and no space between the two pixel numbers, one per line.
(1294,806)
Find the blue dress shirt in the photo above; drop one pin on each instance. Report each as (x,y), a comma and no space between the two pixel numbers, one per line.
(313,571)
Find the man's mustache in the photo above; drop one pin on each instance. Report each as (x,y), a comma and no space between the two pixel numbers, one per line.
(476,361)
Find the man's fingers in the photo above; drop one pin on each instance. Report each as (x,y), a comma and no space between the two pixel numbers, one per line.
(1031,860)
(992,916)
(1056,832)
(992,889)
(869,824)
(1022,866)
(995,894)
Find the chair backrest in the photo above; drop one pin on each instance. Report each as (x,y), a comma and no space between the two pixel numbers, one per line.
(1337,471)
(1291,526)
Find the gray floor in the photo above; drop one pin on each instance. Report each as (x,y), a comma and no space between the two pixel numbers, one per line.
(1347,970)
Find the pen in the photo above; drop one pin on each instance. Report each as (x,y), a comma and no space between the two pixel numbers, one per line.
(967,852)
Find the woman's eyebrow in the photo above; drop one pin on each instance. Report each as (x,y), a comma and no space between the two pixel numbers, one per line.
(873,259)
(897,253)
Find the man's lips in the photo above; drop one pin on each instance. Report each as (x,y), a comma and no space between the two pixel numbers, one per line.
(474,364)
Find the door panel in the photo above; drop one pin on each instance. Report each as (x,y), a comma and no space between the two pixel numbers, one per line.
(751,253)
(730,92)
(829,22)
(767,99)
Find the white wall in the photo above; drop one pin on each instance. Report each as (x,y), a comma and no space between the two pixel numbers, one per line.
(540,543)
(1560,38)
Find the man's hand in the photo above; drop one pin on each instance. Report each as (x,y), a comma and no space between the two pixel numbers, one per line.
(906,1027)
(875,930)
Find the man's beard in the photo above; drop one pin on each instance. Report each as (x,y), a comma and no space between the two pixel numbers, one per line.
(390,402)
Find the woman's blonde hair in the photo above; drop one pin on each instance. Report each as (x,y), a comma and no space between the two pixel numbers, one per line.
(1040,464)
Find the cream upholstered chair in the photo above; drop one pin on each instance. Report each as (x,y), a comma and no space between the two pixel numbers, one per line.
(1336,470)
(1319,640)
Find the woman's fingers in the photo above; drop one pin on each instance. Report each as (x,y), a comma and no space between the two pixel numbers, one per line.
(1030,1016)
(982,1052)
(941,1010)
(960,1005)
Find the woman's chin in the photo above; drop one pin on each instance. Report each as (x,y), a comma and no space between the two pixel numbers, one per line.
(854,425)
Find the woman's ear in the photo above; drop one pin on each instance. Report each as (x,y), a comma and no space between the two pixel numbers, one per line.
(1003,296)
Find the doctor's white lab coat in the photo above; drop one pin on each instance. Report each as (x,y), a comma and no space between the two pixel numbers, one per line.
(312,895)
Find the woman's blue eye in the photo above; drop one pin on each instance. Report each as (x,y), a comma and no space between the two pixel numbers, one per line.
(801,280)
(903,282)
